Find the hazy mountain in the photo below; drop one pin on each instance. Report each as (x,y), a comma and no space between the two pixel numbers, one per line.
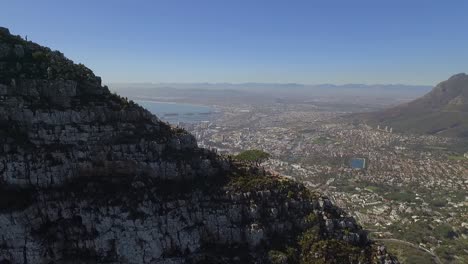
(217,93)
(279,87)
(443,111)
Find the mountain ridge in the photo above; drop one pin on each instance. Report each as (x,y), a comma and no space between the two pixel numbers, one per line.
(250,85)
(443,111)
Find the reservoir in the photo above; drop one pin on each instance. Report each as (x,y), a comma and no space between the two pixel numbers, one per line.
(175,113)
(358,163)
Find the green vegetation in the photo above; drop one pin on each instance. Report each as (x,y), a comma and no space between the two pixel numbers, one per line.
(121,102)
(373,188)
(311,219)
(330,251)
(438,202)
(444,231)
(458,197)
(254,183)
(310,247)
(277,257)
(287,256)
(423,233)
(253,156)
(454,251)
(402,196)
(409,255)
(39,56)
(450,244)
(456,157)
(435,147)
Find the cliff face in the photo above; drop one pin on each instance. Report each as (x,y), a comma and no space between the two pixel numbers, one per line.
(57,128)
(89,177)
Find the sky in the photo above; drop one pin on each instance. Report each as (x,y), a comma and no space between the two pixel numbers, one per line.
(289,41)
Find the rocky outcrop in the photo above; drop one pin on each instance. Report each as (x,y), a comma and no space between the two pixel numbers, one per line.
(55,131)
(89,177)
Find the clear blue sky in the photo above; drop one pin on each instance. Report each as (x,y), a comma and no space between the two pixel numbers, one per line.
(372,41)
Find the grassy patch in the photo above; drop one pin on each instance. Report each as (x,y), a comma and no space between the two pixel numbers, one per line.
(402,196)
(455,157)
(454,251)
(374,188)
(409,255)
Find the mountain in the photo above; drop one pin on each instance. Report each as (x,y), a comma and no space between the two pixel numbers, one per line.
(87,176)
(388,91)
(443,111)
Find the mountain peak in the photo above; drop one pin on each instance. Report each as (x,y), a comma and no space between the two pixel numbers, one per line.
(458,76)
(22,59)
(458,81)
(455,87)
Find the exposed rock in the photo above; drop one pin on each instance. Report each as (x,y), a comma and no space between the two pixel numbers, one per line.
(4,31)
(19,51)
(4,50)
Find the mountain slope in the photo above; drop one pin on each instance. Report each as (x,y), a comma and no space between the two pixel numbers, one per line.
(443,111)
(89,177)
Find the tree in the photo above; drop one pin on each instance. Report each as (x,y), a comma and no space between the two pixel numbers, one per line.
(253,156)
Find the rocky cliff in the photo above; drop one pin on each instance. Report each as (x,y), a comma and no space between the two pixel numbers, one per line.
(89,177)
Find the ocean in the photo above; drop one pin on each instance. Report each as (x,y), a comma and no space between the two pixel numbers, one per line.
(176,113)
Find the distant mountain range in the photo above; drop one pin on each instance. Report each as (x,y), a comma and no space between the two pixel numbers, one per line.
(254,87)
(380,94)
(443,111)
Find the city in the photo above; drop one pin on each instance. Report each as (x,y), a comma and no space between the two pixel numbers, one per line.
(410,186)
